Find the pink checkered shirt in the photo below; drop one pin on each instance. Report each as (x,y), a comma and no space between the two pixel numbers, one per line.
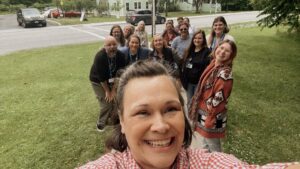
(187,159)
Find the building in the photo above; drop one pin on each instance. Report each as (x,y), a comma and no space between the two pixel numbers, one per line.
(120,7)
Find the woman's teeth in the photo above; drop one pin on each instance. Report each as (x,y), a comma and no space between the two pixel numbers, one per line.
(159,143)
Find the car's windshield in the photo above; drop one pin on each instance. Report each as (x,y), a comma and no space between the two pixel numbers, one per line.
(31,12)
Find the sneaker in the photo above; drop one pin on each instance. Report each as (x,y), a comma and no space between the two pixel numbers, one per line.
(100,127)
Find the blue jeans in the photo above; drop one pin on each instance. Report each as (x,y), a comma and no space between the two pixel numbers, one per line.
(190,91)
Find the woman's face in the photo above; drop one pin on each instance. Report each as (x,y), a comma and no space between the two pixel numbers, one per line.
(198,40)
(158,42)
(169,27)
(127,30)
(116,33)
(142,26)
(134,44)
(223,53)
(153,121)
(218,27)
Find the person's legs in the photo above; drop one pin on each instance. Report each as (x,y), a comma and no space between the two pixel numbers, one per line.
(105,107)
(190,91)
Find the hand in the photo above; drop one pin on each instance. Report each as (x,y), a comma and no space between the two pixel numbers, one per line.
(113,95)
(107,96)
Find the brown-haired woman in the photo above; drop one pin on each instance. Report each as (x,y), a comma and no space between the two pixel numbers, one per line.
(219,32)
(196,59)
(208,110)
(117,33)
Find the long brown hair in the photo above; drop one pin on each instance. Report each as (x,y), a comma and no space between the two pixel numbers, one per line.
(122,38)
(192,46)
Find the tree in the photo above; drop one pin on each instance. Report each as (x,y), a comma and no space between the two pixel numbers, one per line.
(198,4)
(281,12)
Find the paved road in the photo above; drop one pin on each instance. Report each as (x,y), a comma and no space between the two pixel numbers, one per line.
(17,38)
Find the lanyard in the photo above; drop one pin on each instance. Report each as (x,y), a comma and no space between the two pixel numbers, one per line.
(111,65)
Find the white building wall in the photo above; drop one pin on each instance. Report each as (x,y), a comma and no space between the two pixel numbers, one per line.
(123,11)
(206,7)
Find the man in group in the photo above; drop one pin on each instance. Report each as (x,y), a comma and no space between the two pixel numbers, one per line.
(108,61)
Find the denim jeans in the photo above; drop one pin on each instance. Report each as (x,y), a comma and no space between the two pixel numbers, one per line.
(190,91)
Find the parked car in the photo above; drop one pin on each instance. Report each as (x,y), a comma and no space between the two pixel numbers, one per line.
(136,16)
(72,14)
(54,12)
(30,17)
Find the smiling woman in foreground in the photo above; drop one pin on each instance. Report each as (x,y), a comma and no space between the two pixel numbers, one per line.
(154,132)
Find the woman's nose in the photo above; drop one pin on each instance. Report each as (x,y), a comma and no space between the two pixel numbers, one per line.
(159,125)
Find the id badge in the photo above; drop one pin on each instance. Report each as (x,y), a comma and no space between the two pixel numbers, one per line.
(111,80)
(189,65)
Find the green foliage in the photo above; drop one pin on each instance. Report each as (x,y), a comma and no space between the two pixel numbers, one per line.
(4,7)
(285,12)
(258,4)
(102,7)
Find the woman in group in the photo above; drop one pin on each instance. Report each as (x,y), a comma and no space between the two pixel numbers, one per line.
(143,35)
(128,30)
(169,33)
(154,132)
(219,32)
(195,60)
(162,53)
(134,51)
(208,110)
(117,33)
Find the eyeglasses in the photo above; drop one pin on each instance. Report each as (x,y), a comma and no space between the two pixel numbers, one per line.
(183,29)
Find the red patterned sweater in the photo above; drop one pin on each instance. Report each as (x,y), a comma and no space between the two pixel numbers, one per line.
(208,108)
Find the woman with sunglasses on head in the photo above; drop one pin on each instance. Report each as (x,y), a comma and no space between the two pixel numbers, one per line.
(196,59)
(117,33)
(180,43)
(154,132)
(134,51)
(219,32)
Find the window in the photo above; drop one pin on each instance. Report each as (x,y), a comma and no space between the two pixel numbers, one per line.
(127,6)
(147,5)
(135,5)
(139,3)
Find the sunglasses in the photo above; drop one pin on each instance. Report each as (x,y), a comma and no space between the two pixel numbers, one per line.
(183,29)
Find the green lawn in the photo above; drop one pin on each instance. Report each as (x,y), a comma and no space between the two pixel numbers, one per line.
(48,110)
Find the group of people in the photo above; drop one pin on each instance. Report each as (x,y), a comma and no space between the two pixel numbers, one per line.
(140,92)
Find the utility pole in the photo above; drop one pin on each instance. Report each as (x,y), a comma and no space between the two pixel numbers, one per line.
(153,18)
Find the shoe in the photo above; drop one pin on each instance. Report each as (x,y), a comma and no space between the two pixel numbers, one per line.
(100,127)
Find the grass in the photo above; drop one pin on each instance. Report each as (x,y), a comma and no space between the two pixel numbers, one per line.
(48,110)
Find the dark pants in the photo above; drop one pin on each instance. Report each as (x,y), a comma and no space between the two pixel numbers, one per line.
(107,109)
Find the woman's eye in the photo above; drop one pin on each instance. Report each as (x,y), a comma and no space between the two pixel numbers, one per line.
(141,113)
(172,109)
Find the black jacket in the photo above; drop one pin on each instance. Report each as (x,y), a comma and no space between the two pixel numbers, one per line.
(100,69)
